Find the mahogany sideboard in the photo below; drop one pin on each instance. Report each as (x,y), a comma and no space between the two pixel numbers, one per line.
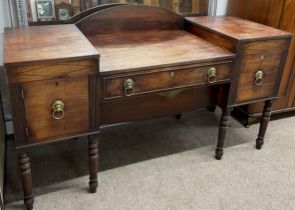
(127,63)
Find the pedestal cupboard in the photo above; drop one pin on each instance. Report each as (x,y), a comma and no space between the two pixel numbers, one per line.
(279,14)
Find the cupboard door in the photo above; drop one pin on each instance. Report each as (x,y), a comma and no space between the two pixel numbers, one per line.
(56,108)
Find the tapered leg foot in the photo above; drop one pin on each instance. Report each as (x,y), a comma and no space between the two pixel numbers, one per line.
(178,116)
(26,180)
(93,162)
(263,124)
(211,108)
(222,133)
(218,153)
(259,143)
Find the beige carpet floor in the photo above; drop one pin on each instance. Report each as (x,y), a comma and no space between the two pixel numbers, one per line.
(165,164)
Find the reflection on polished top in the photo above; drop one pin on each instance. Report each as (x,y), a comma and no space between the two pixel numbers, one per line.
(237,28)
(55,42)
(154,49)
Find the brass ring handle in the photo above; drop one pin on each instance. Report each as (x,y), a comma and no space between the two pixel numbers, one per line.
(212,75)
(58,110)
(259,78)
(128,87)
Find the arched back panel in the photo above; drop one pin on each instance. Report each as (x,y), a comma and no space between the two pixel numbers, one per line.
(130,18)
(76,18)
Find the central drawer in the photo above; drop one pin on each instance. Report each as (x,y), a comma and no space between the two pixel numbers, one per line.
(148,82)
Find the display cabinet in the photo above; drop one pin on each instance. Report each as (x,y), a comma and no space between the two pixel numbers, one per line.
(61,10)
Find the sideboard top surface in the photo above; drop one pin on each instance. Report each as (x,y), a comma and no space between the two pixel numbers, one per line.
(236,28)
(126,51)
(45,43)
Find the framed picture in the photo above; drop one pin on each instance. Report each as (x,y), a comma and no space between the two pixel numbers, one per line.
(45,9)
(63,11)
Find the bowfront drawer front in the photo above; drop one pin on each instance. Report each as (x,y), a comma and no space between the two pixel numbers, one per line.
(55,108)
(141,83)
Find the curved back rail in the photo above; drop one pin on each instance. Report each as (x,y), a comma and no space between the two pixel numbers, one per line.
(76,17)
(129,18)
(90,11)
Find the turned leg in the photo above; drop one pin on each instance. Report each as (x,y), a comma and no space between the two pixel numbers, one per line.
(263,124)
(93,161)
(177,116)
(222,133)
(26,180)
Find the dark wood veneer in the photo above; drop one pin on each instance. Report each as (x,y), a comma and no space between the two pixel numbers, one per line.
(224,122)
(37,44)
(238,29)
(72,91)
(51,70)
(153,49)
(217,39)
(26,179)
(155,105)
(250,41)
(165,80)
(263,124)
(136,18)
(93,142)
(90,11)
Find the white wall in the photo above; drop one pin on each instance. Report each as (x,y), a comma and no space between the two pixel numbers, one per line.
(4,22)
(4,14)
(221,7)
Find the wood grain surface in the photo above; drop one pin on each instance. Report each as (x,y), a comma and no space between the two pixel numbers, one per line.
(287,23)
(250,64)
(53,70)
(165,80)
(278,14)
(45,43)
(267,12)
(214,38)
(274,45)
(130,18)
(127,51)
(237,28)
(155,105)
(41,125)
